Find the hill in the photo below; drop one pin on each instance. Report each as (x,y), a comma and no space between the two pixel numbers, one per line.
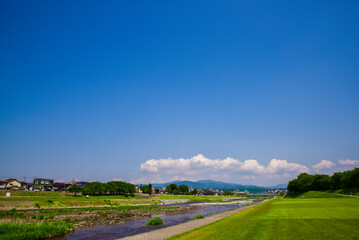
(207,184)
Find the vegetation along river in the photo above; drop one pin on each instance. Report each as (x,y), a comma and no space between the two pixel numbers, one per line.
(137,225)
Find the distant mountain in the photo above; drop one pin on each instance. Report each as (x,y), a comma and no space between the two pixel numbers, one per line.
(279,186)
(207,184)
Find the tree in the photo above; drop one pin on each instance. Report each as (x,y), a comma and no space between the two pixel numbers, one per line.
(194,192)
(337,180)
(175,192)
(150,188)
(111,187)
(183,189)
(94,188)
(170,188)
(145,189)
(75,189)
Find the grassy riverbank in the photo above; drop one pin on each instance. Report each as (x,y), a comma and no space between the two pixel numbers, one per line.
(298,218)
(89,216)
(23,199)
(33,231)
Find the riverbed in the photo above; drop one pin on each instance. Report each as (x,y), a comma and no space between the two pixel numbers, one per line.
(136,226)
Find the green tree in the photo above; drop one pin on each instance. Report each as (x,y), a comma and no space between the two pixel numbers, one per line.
(170,188)
(111,187)
(75,189)
(194,192)
(94,188)
(145,189)
(337,180)
(183,189)
(150,188)
(175,192)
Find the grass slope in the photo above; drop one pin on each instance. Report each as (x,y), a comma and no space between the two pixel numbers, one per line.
(315,194)
(311,218)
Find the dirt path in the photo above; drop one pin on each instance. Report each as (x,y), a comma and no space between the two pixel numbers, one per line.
(348,195)
(167,232)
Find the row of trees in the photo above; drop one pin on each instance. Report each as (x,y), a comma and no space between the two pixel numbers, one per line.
(146,188)
(98,188)
(339,180)
(181,189)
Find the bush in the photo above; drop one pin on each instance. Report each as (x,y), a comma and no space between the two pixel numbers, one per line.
(154,221)
(50,202)
(198,216)
(41,216)
(37,205)
(67,219)
(103,214)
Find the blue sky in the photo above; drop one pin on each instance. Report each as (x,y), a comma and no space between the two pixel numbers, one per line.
(94,90)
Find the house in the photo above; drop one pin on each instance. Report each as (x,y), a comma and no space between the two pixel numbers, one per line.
(26,186)
(43,184)
(13,183)
(60,186)
(82,183)
(2,184)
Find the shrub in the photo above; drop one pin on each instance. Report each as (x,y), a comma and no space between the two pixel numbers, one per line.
(37,205)
(67,219)
(198,216)
(103,214)
(41,216)
(154,221)
(50,202)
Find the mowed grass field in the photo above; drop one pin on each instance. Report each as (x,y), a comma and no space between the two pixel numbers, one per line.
(288,218)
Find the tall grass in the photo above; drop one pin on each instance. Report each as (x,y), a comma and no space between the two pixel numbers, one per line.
(33,231)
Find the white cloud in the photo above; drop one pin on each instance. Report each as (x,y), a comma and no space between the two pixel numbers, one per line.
(117,179)
(324,164)
(182,164)
(349,162)
(229,169)
(200,162)
(60,181)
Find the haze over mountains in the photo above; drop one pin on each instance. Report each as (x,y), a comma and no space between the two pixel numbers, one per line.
(207,184)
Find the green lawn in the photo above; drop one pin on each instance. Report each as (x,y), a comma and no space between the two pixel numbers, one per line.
(296,218)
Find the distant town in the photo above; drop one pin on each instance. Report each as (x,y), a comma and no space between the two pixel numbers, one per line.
(48,185)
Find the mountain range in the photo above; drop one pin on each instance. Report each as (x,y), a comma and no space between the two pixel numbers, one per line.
(207,184)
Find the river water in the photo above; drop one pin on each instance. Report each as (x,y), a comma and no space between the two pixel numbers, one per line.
(132,227)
